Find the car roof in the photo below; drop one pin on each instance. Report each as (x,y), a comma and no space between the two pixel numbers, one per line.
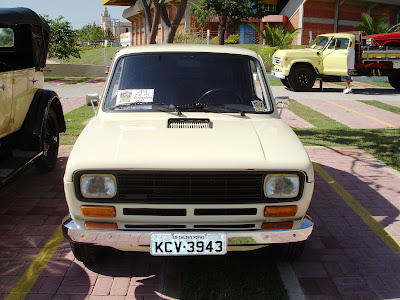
(185,48)
(21,16)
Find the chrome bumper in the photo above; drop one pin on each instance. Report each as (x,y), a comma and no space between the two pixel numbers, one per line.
(280,75)
(140,240)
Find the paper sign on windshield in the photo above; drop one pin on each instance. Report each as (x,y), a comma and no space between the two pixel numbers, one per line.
(132,96)
(258,105)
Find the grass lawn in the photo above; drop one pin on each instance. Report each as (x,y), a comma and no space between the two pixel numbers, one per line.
(80,80)
(391,108)
(95,56)
(275,82)
(75,123)
(384,144)
(237,275)
(48,79)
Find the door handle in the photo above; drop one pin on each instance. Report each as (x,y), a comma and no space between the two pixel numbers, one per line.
(4,87)
(34,80)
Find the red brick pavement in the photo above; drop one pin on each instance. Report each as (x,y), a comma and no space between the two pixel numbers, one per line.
(352,119)
(344,259)
(294,120)
(69,104)
(393,103)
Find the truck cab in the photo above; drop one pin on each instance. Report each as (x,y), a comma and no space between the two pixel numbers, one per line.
(325,57)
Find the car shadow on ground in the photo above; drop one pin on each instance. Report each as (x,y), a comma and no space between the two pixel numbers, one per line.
(344,257)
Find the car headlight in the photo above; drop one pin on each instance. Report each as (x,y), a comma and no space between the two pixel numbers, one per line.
(281,186)
(369,42)
(98,185)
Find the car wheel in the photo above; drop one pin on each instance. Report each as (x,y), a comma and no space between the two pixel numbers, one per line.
(285,82)
(292,251)
(394,80)
(301,78)
(86,253)
(48,159)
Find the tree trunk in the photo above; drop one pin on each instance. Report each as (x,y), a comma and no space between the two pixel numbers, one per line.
(170,28)
(222,26)
(151,24)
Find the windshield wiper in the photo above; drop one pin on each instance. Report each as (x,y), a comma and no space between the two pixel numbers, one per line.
(159,105)
(206,107)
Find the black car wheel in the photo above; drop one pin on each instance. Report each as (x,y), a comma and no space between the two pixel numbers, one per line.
(301,78)
(285,82)
(50,143)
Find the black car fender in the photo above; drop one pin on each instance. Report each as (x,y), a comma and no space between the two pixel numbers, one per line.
(37,114)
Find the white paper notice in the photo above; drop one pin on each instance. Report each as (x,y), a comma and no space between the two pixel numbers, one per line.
(132,96)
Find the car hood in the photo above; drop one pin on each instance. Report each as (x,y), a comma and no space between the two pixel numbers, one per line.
(232,143)
(293,53)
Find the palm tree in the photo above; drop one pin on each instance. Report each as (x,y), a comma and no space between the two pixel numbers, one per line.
(276,36)
(380,24)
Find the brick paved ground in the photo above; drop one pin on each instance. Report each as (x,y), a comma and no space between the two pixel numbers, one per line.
(69,104)
(343,259)
(352,119)
(394,103)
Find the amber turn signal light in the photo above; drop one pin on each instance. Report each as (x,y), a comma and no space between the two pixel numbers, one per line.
(277,225)
(98,211)
(100,226)
(280,211)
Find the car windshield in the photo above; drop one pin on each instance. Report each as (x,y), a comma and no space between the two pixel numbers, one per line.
(319,42)
(188,82)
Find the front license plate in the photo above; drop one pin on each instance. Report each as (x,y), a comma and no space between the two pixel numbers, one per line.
(185,243)
(396,65)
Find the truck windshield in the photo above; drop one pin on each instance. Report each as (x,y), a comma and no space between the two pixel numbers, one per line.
(188,81)
(319,42)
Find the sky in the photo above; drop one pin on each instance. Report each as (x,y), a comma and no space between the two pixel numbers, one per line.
(78,12)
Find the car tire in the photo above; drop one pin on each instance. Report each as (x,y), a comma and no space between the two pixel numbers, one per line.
(51,133)
(394,80)
(285,82)
(291,251)
(301,78)
(86,253)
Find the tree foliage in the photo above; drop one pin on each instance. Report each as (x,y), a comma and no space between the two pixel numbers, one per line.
(277,36)
(63,39)
(233,10)
(380,24)
(91,33)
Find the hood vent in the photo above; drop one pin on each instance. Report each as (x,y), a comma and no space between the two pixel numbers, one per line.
(189,123)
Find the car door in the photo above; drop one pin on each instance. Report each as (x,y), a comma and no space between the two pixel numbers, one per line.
(334,57)
(6,81)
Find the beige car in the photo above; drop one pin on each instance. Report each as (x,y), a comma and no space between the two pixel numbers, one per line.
(187,155)
(30,116)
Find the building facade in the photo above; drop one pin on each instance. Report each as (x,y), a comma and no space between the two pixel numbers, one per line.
(114,25)
(313,17)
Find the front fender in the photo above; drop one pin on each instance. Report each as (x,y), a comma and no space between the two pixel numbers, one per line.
(42,101)
(310,62)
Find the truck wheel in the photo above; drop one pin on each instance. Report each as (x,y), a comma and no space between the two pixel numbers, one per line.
(301,78)
(48,160)
(292,251)
(85,253)
(395,81)
(285,82)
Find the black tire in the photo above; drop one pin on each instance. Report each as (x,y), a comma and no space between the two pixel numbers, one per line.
(50,143)
(285,82)
(301,78)
(86,253)
(292,251)
(394,80)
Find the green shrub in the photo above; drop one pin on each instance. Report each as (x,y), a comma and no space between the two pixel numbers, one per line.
(188,38)
(214,40)
(232,39)
(266,54)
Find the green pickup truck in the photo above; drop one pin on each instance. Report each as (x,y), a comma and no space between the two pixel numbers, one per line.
(326,59)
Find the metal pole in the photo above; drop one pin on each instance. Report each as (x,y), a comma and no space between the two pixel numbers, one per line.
(208,36)
(105,52)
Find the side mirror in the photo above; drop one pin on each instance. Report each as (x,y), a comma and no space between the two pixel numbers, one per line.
(283,100)
(92,100)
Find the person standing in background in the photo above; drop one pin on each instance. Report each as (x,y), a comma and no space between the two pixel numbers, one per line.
(351,57)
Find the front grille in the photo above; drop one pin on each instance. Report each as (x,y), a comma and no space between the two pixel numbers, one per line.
(191,187)
(276,61)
